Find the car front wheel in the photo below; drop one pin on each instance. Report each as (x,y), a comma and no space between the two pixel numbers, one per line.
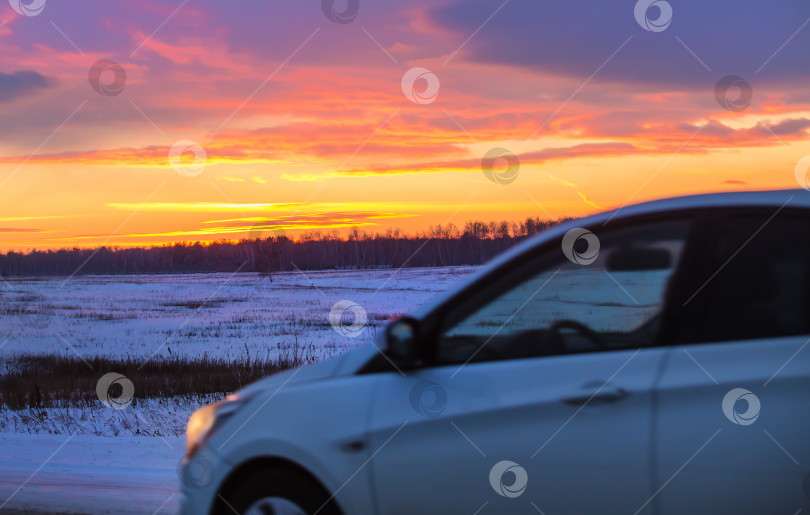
(276,491)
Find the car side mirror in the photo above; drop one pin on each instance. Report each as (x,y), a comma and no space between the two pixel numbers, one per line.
(402,339)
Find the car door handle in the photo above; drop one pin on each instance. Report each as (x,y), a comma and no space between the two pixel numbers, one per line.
(603,396)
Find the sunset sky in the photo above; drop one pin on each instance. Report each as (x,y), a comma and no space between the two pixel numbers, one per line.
(305,122)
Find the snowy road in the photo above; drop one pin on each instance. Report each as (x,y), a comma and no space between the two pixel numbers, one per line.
(89,474)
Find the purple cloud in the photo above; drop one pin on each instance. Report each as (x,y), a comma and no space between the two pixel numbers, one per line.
(22,83)
(576,37)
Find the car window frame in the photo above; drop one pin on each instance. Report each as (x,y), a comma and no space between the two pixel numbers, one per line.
(488,286)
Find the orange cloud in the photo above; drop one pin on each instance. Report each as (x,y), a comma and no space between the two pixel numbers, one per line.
(12,229)
(250,227)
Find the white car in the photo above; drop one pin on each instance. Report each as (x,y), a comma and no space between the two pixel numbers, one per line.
(647,360)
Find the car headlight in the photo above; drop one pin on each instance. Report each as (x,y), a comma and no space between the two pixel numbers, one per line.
(204,421)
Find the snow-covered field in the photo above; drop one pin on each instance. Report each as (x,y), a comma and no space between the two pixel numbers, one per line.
(229,316)
(224,315)
(124,461)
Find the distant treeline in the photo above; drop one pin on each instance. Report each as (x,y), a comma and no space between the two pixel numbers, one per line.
(440,245)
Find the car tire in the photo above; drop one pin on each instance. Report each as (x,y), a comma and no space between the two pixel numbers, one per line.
(283,486)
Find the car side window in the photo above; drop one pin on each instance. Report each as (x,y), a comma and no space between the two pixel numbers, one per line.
(592,291)
(761,282)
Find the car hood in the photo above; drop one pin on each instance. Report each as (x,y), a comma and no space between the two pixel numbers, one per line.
(345,364)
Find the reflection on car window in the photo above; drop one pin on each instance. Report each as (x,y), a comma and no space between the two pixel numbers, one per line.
(610,301)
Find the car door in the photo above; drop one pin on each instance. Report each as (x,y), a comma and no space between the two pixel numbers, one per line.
(733,420)
(541,395)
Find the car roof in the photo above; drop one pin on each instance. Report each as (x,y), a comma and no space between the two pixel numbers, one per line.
(796,198)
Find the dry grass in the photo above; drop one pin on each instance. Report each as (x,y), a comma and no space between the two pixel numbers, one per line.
(50,381)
